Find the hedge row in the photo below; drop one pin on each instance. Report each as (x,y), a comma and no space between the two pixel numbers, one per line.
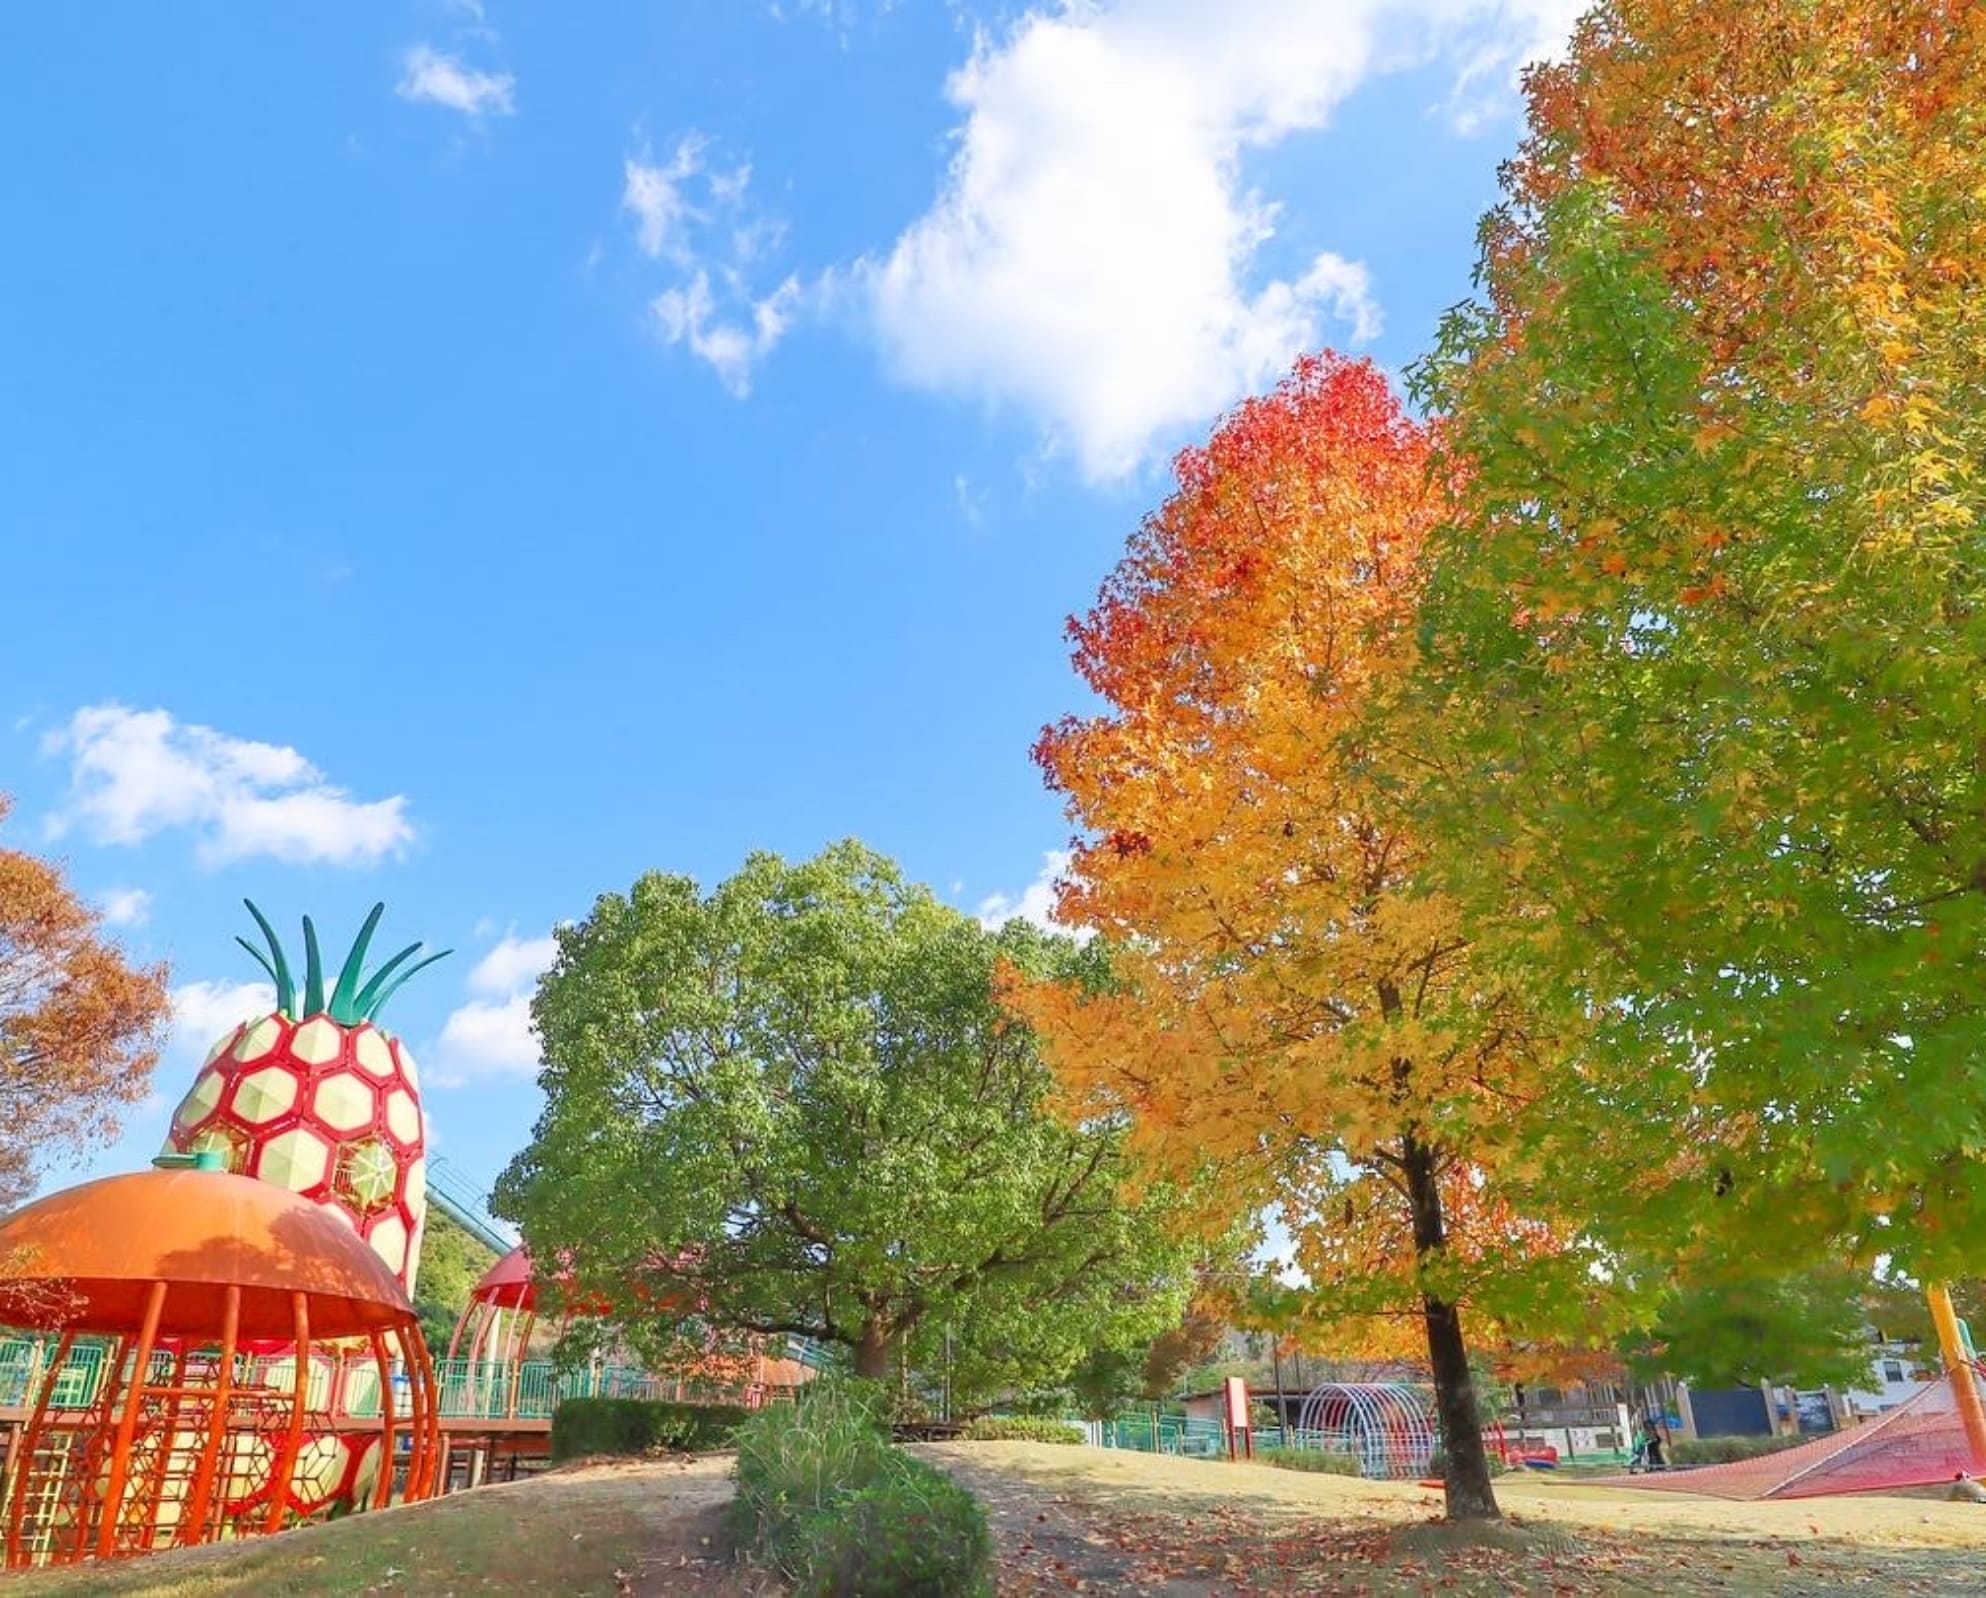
(583,1426)
(829,1502)
(1724,1450)
(1021,1429)
(1311,1459)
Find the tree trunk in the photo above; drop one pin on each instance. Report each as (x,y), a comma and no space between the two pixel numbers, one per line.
(1470,1495)
(873,1351)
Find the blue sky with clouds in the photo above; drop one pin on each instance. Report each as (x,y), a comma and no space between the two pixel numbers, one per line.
(467,455)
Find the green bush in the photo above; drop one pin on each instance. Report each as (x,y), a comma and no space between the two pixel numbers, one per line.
(1021,1429)
(1724,1450)
(1311,1459)
(913,1531)
(583,1426)
(827,1500)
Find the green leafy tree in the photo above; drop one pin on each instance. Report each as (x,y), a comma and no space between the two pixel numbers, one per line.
(1708,630)
(1748,1323)
(452,1262)
(796,1104)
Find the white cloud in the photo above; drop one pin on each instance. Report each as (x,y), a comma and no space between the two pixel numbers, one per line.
(972,506)
(513,965)
(704,225)
(1035,902)
(491,1035)
(434,77)
(127,907)
(656,198)
(1093,256)
(205,1012)
(136,773)
(488,1037)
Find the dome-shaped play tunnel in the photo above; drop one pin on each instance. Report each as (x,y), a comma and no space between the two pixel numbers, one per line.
(225,1312)
(1385,1426)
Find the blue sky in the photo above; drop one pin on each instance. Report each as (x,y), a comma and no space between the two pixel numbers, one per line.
(467,456)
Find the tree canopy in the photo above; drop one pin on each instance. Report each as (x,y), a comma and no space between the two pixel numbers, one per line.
(795,1105)
(1755,1321)
(79,1023)
(1709,620)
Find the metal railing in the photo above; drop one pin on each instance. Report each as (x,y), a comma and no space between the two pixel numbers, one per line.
(469,1389)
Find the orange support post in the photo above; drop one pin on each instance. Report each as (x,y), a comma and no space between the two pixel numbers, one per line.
(283,1473)
(134,1394)
(217,1425)
(1958,1370)
(382,1492)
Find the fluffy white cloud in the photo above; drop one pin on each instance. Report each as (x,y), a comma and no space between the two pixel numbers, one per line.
(205,1012)
(1091,257)
(1035,902)
(487,1036)
(127,907)
(702,222)
(136,773)
(492,1035)
(513,965)
(434,77)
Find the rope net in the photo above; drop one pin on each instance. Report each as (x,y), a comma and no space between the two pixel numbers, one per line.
(1920,1443)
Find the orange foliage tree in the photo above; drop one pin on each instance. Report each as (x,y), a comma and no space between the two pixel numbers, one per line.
(1286,1001)
(79,1024)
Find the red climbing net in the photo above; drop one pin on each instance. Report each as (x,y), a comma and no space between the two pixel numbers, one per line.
(1920,1443)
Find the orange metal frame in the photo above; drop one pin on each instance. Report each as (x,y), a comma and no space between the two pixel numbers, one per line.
(175,1460)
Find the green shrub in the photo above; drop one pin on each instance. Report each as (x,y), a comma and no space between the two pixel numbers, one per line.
(827,1500)
(913,1531)
(1021,1429)
(583,1426)
(1311,1459)
(1724,1450)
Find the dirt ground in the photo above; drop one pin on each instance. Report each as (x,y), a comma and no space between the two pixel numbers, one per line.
(623,1530)
(1092,1521)
(1089,1520)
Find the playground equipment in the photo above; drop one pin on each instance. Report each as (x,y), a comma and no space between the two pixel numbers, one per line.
(495,1329)
(1920,1443)
(235,1311)
(318,1098)
(1933,1436)
(1386,1426)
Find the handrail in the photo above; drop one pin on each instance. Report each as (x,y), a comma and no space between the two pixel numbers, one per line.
(349,1388)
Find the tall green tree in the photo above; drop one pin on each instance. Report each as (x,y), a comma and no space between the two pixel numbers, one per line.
(1710,623)
(795,1104)
(1748,1322)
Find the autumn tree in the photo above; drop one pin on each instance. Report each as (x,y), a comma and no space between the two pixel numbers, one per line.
(79,1024)
(793,1105)
(1709,622)
(1288,998)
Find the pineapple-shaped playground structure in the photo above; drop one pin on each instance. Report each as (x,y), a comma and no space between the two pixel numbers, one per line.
(318,1098)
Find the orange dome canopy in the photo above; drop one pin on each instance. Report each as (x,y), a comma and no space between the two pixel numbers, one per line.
(105,1243)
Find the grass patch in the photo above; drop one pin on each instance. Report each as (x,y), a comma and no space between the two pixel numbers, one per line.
(568,1532)
(830,1503)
